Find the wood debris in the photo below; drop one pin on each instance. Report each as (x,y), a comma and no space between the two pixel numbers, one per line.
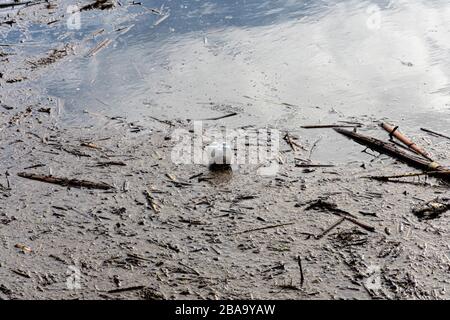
(394,132)
(151,202)
(435,133)
(24,248)
(102,45)
(393,151)
(431,209)
(66,181)
(292,143)
(99,4)
(321,126)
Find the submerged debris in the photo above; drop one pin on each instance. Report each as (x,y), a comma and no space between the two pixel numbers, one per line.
(350,238)
(151,202)
(392,150)
(333,208)
(99,4)
(53,56)
(431,209)
(102,45)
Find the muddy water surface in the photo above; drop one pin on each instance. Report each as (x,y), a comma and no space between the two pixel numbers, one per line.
(277,63)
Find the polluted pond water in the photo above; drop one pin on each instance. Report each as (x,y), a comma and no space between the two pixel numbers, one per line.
(109,110)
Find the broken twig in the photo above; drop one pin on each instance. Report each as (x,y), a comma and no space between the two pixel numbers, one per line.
(119,290)
(407,175)
(327,230)
(319,126)
(102,45)
(290,141)
(435,133)
(65,181)
(14,3)
(264,228)
(312,165)
(302,277)
(222,117)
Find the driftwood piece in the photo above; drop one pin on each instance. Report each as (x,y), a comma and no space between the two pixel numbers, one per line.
(392,150)
(66,181)
(394,132)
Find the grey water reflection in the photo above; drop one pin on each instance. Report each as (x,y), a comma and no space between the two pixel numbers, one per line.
(280,63)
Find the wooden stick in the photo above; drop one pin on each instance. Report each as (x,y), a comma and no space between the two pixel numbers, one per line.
(407,175)
(190,268)
(119,290)
(332,208)
(264,228)
(326,231)
(160,20)
(318,126)
(352,122)
(102,45)
(360,224)
(302,277)
(312,165)
(435,133)
(393,151)
(222,117)
(65,181)
(13,4)
(394,132)
(110,163)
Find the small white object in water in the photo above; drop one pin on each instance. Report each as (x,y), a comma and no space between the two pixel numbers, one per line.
(219,154)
